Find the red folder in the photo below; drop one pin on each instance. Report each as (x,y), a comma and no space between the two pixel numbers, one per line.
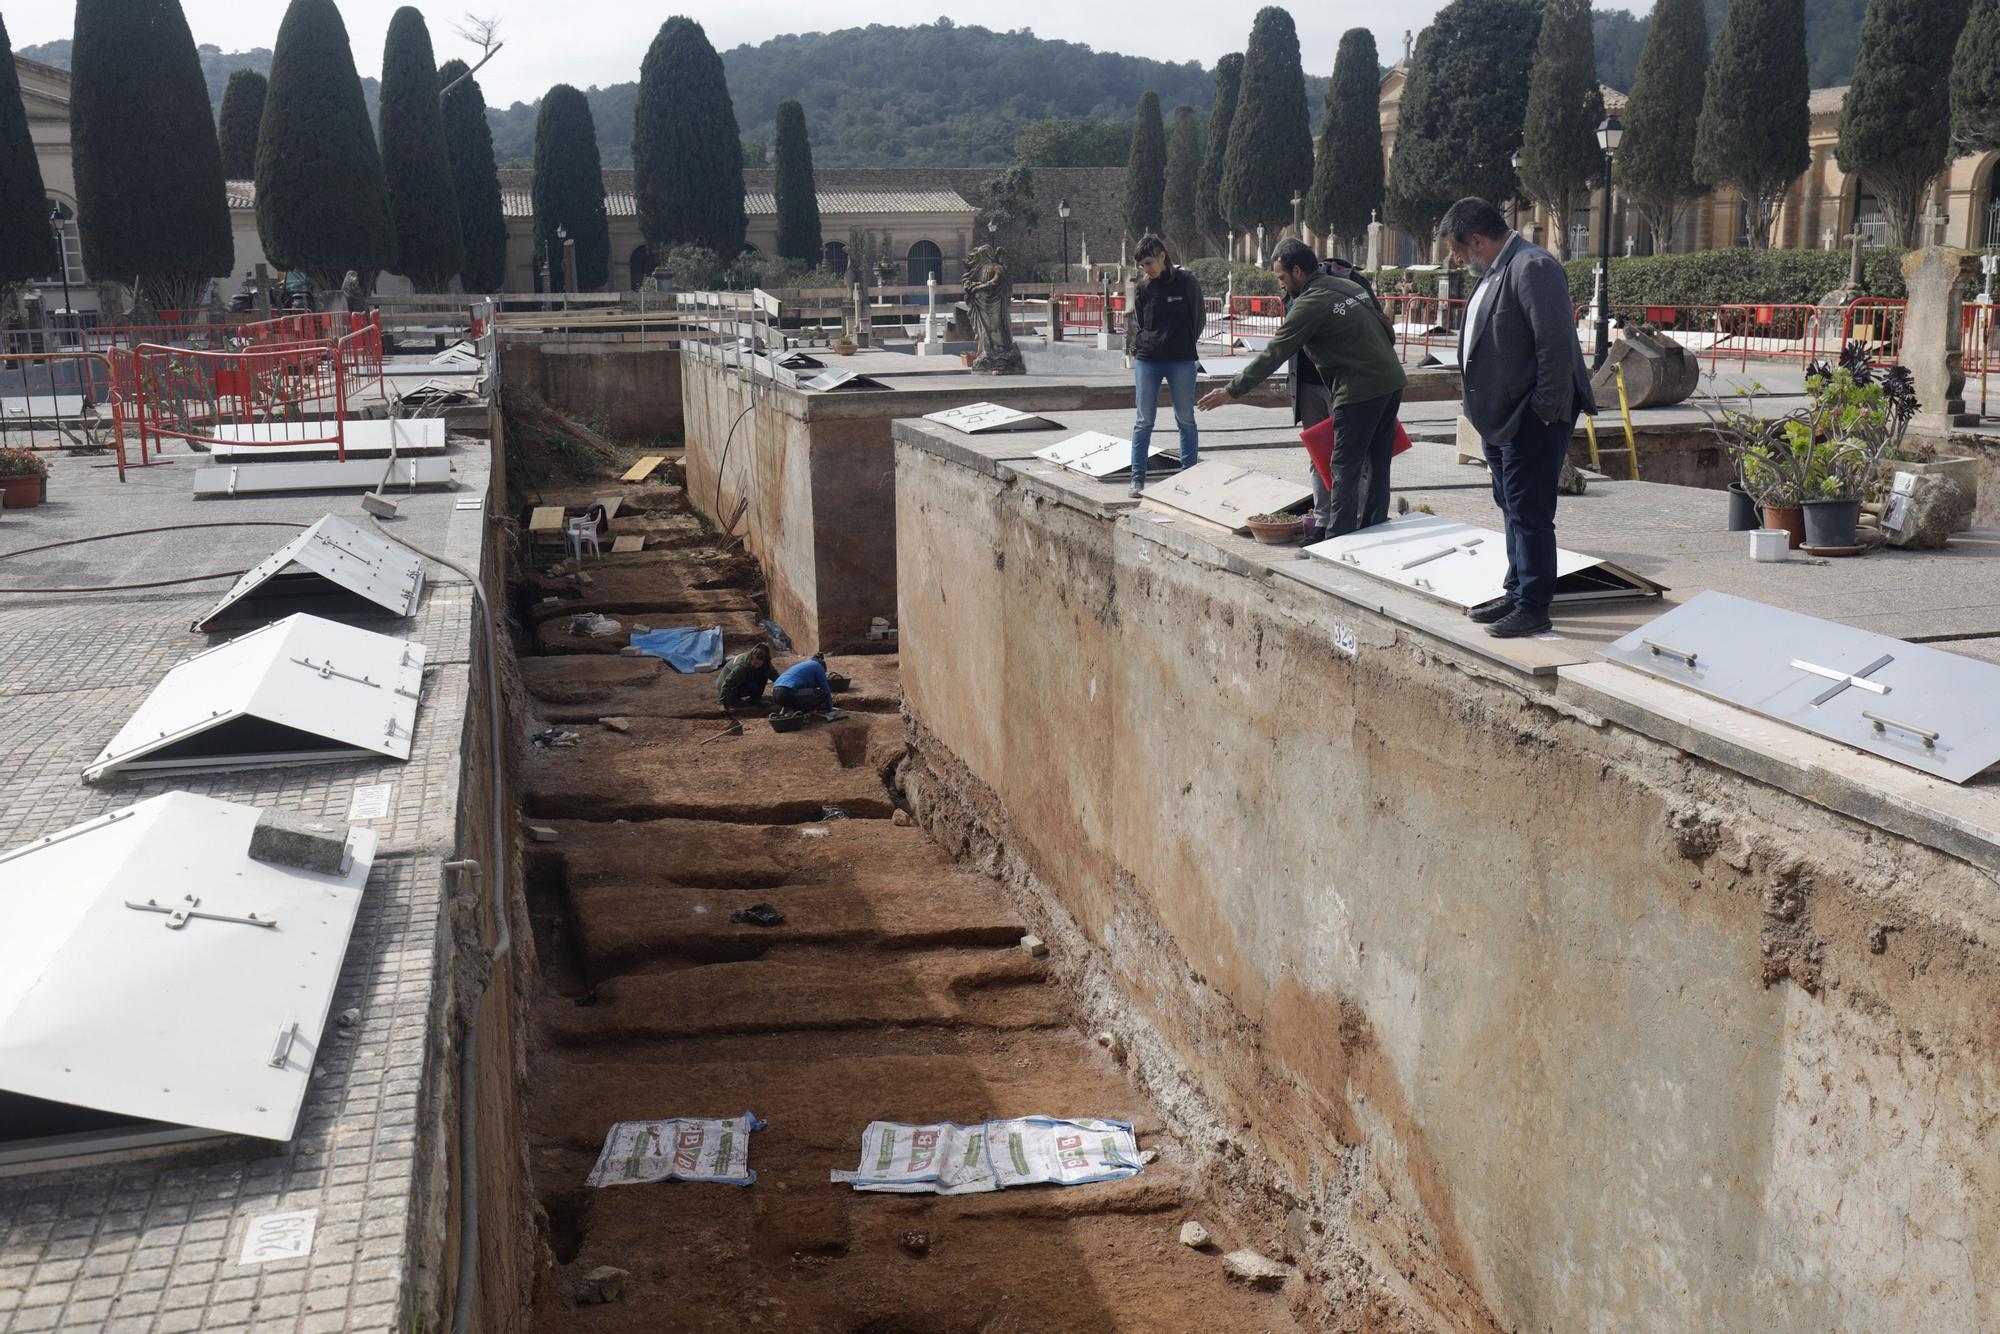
(1319,447)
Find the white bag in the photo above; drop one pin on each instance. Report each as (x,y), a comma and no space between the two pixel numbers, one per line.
(946,1158)
(677,1149)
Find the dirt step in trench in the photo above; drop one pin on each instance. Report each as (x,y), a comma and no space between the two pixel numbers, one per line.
(894,990)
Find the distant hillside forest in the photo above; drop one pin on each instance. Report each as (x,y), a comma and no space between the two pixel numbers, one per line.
(947,94)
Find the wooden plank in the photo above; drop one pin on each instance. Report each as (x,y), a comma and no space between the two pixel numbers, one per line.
(643,469)
(635,542)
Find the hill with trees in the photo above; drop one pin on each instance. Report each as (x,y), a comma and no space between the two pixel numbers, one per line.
(964,92)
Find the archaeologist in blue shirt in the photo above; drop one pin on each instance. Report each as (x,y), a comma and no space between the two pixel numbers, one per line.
(1161,331)
(803,686)
(1525,382)
(1337,324)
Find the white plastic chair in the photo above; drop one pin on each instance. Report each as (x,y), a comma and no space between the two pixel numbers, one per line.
(582,532)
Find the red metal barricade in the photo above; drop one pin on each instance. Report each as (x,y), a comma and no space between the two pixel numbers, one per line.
(292,394)
(61,402)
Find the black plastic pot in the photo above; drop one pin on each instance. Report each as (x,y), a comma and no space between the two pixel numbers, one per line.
(1831,523)
(786,721)
(1743,512)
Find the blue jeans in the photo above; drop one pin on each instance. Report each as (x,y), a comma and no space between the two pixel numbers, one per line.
(1146,378)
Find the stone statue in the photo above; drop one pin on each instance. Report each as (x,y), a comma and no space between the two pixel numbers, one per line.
(989,292)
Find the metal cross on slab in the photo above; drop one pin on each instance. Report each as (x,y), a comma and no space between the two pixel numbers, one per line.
(178,917)
(1845,680)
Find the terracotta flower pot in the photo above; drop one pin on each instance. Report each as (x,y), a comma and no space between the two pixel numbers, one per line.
(1791,518)
(20,493)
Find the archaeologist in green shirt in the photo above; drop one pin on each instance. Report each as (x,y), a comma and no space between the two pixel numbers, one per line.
(742,679)
(1344,333)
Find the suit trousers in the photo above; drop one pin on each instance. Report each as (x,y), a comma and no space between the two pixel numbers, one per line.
(1525,472)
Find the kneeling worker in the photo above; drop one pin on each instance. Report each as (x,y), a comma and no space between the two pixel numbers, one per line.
(803,686)
(1339,327)
(742,679)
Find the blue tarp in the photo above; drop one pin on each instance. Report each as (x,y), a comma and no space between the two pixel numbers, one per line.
(684,650)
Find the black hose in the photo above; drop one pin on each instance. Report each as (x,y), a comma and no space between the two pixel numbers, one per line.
(140,532)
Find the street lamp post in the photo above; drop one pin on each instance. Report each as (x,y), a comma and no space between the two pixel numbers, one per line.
(1062,211)
(62,263)
(1609,135)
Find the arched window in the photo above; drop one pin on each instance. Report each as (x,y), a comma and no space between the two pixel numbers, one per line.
(1579,238)
(62,219)
(836,256)
(1989,212)
(926,261)
(641,264)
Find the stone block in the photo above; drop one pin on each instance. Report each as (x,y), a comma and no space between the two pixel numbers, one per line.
(1658,372)
(307,843)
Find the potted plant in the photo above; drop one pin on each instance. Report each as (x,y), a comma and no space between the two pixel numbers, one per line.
(1855,417)
(1772,475)
(23,479)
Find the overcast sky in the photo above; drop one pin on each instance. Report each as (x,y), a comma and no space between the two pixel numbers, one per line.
(588,42)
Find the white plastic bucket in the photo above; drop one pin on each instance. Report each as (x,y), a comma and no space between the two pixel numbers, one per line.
(1770,544)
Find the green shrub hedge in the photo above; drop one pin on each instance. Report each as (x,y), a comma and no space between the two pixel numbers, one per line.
(1214,276)
(1710,278)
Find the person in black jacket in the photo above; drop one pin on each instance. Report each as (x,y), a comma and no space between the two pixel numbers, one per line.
(1161,330)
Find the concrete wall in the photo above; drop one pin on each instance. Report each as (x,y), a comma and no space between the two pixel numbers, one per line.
(1550,1024)
(635,390)
(819,474)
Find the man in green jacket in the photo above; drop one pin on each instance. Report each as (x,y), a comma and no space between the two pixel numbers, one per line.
(1347,338)
(741,682)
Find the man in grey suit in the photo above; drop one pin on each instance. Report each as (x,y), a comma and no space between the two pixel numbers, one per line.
(1525,383)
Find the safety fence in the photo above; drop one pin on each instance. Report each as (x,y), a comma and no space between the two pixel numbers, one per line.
(62,401)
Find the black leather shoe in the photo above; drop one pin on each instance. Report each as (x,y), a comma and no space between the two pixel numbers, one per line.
(1519,624)
(1488,612)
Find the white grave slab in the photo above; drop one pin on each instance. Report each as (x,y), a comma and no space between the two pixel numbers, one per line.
(1106,457)
(333,561)
(1918,706)
(1466,565)
(299,691)
(264,441)
(984,418)
(153,969)
(1228,495)
(239,479)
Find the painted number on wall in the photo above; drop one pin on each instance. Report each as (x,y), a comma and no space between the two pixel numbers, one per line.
(284,1236)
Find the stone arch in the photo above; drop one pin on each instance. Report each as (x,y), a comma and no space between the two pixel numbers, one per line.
(836,256)
(640,265)
(1986,202)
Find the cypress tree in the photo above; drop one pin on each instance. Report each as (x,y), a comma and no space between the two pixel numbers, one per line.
(322,205)
(1656,161)
(149,194)
(1456,129)
(687,156)
(569,190)
(1560,158)
(1975,81)
(799,235)
(1895,126)
(1146,169)
(242,113)
(1754,120)
(415,162)
(1347,173)
(27,245)
(1177,202)
(1270,153)
(475,182)
(1208,213)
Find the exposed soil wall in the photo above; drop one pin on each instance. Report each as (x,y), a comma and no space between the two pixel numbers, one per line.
(1539,1015)
(631,391)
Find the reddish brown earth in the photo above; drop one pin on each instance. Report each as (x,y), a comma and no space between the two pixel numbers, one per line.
(895,990)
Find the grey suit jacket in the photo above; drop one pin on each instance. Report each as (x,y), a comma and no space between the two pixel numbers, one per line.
(1524,356)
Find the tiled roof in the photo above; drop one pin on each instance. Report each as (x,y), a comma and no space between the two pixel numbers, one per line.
(240,194)
(1823,100)
(765,204)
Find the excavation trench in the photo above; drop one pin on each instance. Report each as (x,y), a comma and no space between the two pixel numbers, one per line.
(894,990)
